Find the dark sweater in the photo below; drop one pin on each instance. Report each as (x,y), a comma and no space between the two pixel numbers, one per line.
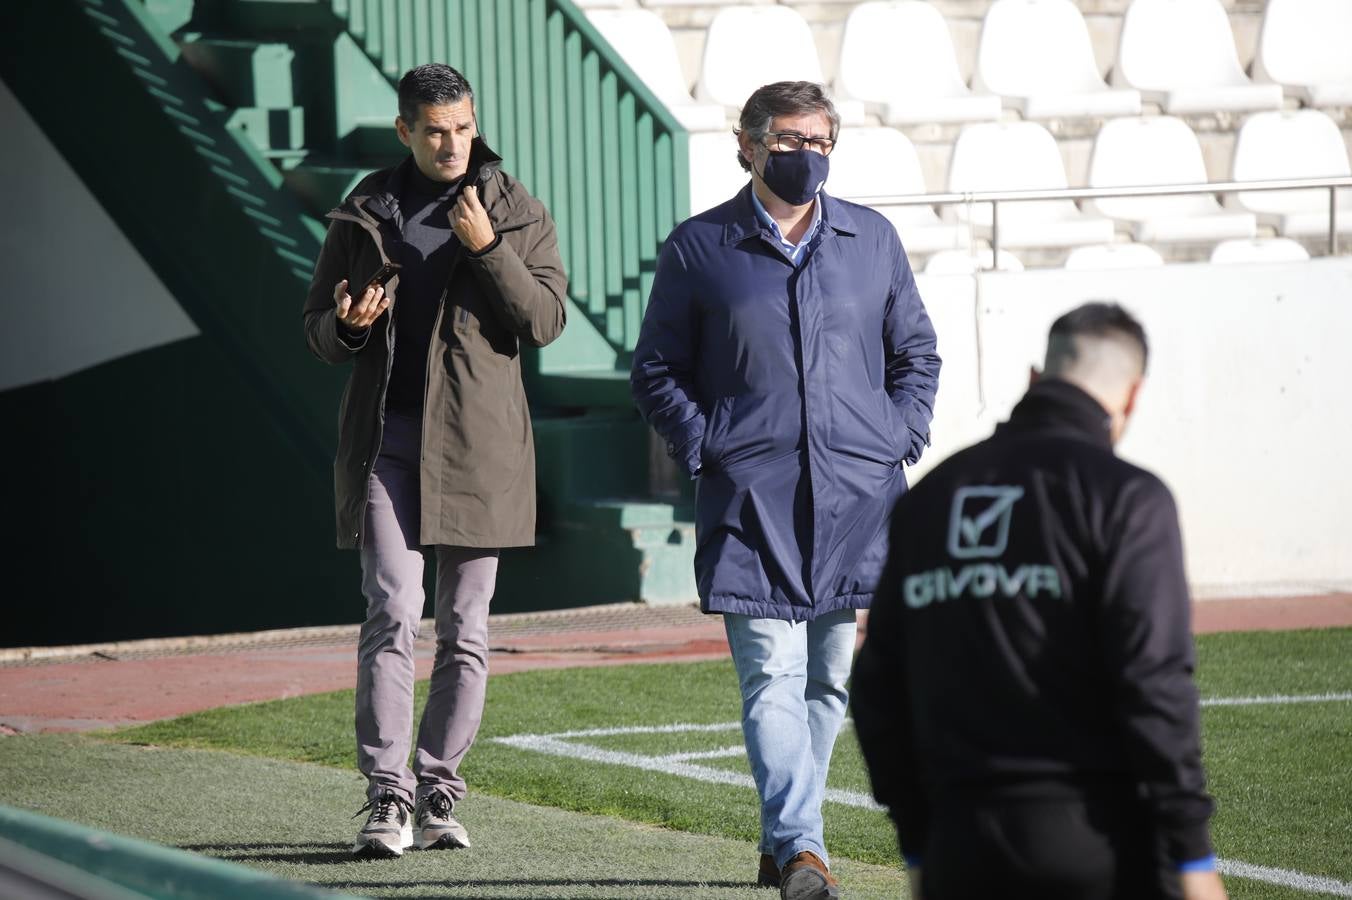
(426,250)
(1031,632)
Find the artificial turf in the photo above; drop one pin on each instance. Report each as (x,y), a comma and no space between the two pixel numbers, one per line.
(293,820)
(1282,774)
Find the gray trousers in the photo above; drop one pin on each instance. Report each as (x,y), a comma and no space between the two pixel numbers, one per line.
(392,581)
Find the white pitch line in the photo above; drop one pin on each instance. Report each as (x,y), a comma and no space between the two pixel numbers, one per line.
(677,764)
(678,728)
(724,753)
(1315,884)
(1277,699)
(550,744)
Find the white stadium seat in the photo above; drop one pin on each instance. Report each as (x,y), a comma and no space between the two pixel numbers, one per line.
(750,46)
(1297,144)
(1306,46)
(1113,256)
(644,41)
(882,162)
(714,173)
(1259,250)
(969,262)
(898,58)
(1036,55)
(1181,55)
(1020,156)
(1160,150)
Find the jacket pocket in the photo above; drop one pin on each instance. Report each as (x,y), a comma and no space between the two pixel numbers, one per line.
(716,431)
(899,433)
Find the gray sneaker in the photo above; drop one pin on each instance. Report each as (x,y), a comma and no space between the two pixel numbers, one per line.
(434,827)
(387,832)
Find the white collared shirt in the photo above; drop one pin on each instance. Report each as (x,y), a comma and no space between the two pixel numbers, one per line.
(794,252)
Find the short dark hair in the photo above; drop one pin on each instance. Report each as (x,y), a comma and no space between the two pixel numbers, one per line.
(783,98)
(433,84)
(1096,319)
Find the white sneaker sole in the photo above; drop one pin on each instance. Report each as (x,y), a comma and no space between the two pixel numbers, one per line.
(374,847)
(453,839)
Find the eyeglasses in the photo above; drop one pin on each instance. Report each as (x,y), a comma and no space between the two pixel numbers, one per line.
(788,141)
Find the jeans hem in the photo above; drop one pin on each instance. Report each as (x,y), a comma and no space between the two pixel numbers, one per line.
(799,846)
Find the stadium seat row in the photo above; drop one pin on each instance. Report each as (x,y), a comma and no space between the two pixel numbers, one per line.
(1101,257)
(897,60)
(878,162)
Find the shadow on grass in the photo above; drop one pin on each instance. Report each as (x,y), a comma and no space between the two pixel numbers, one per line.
(542,883)
(321,854)
(315,854)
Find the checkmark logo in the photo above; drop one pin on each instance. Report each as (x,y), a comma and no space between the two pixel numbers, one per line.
(978,526)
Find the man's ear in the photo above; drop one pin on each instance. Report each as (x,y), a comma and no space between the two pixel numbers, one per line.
(744,145)
(401,129)
(1130,406)
(1034,376)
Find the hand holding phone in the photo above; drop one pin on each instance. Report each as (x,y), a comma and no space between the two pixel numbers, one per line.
(370,304)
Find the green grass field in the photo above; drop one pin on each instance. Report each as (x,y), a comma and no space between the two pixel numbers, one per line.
(1282,773)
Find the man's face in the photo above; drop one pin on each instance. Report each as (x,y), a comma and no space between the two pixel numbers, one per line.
(812,125)
(440,139)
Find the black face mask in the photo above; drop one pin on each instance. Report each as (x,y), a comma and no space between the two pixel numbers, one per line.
(795,176)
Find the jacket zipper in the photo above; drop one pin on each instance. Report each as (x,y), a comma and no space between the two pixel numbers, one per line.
(427,366)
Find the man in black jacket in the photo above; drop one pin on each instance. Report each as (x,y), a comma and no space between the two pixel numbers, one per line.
(1024,699)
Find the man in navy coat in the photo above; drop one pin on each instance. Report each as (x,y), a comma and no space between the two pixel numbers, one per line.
(788,362)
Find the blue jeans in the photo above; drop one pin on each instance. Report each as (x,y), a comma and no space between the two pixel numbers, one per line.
(792,676)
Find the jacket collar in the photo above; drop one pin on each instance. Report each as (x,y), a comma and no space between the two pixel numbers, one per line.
(744,223)
(1060,405)
(378,195)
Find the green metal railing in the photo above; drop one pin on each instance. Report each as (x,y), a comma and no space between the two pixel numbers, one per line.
(570,119)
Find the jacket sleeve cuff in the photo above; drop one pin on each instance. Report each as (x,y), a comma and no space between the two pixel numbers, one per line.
(352,340)
(497,239)
(919,441)
(688,454)
(1190,843)
(1205,864)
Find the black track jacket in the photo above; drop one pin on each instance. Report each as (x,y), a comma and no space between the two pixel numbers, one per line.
(1032,631)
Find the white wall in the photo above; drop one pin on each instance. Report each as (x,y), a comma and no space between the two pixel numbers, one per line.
(76,292)
(1246,412)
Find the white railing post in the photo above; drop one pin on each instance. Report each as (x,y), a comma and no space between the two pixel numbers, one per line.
(1333,220)
(995,236)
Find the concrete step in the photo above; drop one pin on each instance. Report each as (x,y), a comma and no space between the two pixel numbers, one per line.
(322,187)
(244,73)
(277,133)
(649,552)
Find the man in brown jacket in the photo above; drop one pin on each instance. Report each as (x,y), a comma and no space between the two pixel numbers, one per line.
(432,276)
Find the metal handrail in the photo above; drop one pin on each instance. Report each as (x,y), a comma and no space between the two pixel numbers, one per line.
(1154,190)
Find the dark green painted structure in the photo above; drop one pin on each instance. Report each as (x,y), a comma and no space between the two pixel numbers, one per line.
(187,489)
(45,857)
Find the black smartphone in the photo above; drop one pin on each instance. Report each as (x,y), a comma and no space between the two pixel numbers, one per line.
(380,278)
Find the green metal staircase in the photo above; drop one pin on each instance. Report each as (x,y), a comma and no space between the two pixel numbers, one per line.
(568,116)
(211,216)
(249,119)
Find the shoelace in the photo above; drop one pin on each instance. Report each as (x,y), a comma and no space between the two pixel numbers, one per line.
(439,806)
(384,808)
